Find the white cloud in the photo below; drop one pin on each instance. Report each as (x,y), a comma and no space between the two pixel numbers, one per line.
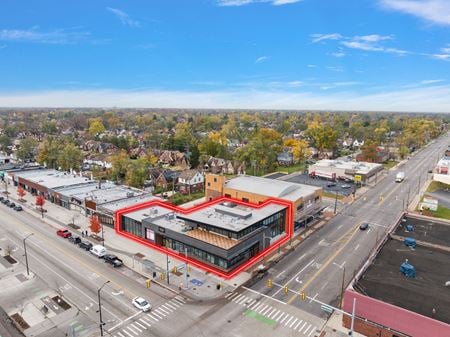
(59,36)
(372,38)
(323,37)
(311,66)
(435,11)
(444,54)
(338,54)
(261,59)
(236,3)
(426,82)
(424,99)
(124,17)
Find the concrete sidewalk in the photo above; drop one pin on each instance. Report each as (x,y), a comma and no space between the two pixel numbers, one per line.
(137,257)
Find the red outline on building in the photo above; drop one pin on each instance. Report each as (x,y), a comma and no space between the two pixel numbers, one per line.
(180,256)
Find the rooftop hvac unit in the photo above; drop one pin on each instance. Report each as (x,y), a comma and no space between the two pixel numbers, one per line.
(409,228)
(408,269)
(410,242)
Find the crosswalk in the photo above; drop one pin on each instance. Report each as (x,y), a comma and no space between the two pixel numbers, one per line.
(281,317)
(147,320)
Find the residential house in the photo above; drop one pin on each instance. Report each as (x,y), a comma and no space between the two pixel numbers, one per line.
(173,158)
(357,143)
(285,158)
(190,181)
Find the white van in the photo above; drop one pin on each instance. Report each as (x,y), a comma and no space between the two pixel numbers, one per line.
(98,251)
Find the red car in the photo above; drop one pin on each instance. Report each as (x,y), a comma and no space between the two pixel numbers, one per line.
(64,233)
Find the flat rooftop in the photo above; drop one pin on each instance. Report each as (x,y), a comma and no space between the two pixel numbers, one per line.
(427,291)
(358,167)
(109,193)
(115,205)
(230,218)
(52,178)
(271,188)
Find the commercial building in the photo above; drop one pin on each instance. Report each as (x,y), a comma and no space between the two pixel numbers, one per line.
(306,200)
(390,304)
(345,170)
(222,235)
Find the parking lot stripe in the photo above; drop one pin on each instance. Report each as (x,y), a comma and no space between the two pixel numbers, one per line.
(143,327)
(300,322)
(145,322)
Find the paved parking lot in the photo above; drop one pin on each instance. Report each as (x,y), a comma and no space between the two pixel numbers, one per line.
(341,187)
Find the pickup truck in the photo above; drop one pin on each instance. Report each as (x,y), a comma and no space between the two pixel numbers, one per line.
(113,260)
(64,233)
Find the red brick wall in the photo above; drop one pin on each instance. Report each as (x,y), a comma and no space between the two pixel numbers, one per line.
(367,329)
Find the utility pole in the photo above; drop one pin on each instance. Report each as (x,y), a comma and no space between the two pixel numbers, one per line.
(100,307)
(342,287)
(25,249)
(335,202)
(186,266)
(103,235)
(353,317)
(167,264)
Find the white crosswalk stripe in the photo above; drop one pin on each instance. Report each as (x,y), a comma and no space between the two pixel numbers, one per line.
(293,322)
(170,305)
(142,326)
(266,311)
(235,299)
(307,329)
(157,315)
(175,303)
(120,335)
(311,332)
(289,320)
(145,322)
(135,327)
(163,310)
(282,314)
(179,298)
(254,305)
(301,328)
(166,307)
(155,319)
(242,300)
(129,328)
(261,309)
(251,303)
(284,318)
(160,312)
(295,328)
(271,312)
(129,335)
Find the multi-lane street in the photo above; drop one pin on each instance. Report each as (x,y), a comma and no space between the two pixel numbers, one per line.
(319,266)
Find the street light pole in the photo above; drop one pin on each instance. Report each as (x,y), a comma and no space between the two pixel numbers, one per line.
(167,265)
(25,249)
(342,286)
(335,202)
(100,307)
(353,317)
(185,253)
(103,237)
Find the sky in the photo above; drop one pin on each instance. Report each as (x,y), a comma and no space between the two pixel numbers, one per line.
(382,55)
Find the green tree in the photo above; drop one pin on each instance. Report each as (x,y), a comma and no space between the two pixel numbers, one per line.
(323,136)
(137,172)
(96,127)
(70,157)
(120,163)
(5,142)
(27,150)
(48,152)
(369,152)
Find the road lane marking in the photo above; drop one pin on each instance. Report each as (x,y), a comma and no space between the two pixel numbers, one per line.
(312,299)
(264,295)
(279,275)
(295,276)
(350,235)
(357,246)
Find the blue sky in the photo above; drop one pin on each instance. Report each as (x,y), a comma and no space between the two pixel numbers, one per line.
(282,54)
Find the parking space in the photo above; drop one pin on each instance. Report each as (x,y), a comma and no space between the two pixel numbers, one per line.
(341,187)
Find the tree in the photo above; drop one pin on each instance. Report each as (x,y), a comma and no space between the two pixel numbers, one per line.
(137,172)
(94,224)
(299,148)
(48,152)
(27,150)
(323,135)
(70,157)
(5,143)
(120,163)
(96,126)
(21,193)
(40,201)
(370,152)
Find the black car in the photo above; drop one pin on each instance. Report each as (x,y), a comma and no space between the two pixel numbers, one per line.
(85,245)
(11,205)
(6,202)
(364,226)
(2,198)
(75,239)
(112,259)
(18,208)
(331,184)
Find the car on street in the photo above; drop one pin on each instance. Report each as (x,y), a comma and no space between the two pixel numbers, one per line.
(141,304)
(6,202)
(75,240)
(363,226)
(430,171)
(98,250)
(11,205)
(64,233)
(331,184)
(2,198)
(18,208)
(86,245)
(113,260)
(346,186)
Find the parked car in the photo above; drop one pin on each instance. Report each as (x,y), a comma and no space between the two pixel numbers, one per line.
(141,304)
(64,233)
(6,202)
(18,208)
(2,198)
(346,186)
(98,251)
(364,226)
(331,184)
(75,239)
(86,245)
(11,205)
(114,260)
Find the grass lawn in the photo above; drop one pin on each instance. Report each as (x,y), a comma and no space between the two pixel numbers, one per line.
(291,169)
(442,212)
(390,164)
(179,198)
(435,185)
(332,195)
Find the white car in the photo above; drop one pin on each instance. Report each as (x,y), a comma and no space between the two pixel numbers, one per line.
(141,304)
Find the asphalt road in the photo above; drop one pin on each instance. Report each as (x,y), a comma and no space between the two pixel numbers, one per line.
(317,265)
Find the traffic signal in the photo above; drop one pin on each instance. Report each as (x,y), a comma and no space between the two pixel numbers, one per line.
(269,283)
(148,283)
(286,290)
(303,296)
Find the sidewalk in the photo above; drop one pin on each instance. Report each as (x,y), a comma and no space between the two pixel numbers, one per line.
(137,257)
(334,327)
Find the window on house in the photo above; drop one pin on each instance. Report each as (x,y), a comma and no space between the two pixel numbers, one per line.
(209,184)
(215,180)
(245,199)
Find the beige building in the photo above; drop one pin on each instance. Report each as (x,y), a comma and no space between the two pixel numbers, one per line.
(307,200)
